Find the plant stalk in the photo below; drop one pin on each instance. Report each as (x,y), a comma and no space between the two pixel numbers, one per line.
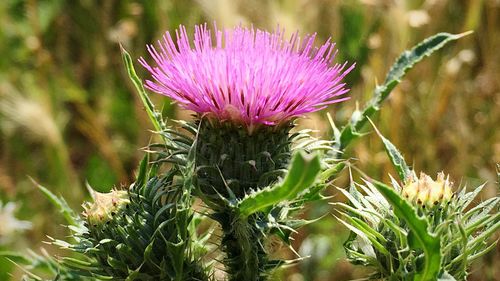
(243,244)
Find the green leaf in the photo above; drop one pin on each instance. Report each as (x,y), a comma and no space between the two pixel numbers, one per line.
(426,241)
(16,257)
(142,176)
(478,241)
(404,63)
(176,252)
(153,115)
(482,252)
(395,156)
(301,175)
(367,236)
(332,172)
(465,198)
(69,215)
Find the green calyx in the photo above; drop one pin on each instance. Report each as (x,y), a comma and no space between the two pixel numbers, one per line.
(137,240)
(232,162)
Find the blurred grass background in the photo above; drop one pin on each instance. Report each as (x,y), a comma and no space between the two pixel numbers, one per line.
(68,114)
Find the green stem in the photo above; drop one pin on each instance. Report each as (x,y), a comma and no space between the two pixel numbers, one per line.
(243,244)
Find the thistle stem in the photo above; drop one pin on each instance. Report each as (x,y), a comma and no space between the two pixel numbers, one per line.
(243,244)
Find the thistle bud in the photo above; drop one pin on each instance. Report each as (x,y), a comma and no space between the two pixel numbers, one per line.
(427,192)
(105,205)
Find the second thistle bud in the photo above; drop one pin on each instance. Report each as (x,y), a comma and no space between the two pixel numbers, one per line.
(105,205)
(427,192)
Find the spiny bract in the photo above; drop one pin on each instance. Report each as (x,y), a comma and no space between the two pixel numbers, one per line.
(129,234)
(384,241)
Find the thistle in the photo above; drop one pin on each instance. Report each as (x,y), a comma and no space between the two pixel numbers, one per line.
(246,92)
(421,230)
(105,207)
(247,87)
(129,234)
(426,192)
(241,157)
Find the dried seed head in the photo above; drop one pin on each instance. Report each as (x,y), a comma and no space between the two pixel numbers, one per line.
(428,192)
(105,206)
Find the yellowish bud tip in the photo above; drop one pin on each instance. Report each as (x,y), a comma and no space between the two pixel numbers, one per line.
(427,192)
(105,206)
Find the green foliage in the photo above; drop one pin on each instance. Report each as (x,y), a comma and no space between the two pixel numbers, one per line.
(397,160)
(147,240)
(407,242)
(419,237)
(404,63)
(69,215)
(301,175)
(402,242)
(154,116)
(33,262)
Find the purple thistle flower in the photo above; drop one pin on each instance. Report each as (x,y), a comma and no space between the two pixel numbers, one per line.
(247,75)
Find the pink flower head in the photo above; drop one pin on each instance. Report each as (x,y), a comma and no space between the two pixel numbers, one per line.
(246,75)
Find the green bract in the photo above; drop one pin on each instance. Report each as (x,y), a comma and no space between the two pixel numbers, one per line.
(144,239)
(419,231)
(231,162)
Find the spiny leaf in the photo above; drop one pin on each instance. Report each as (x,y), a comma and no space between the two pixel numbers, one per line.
(142,173)
(428,242)
(482,218)
(29,273)
(301,175)
(59,202)
(153,115)
(467,197)
(332,172)
(396,157)
(478,241)
(360,232)
(483,251)
(404,63)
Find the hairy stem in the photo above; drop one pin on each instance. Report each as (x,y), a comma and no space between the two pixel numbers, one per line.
(243,244)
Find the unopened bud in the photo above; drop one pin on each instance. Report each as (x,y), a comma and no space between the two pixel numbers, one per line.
(105,206)
(427,192)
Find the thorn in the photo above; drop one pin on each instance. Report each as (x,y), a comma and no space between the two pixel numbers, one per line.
(463,34)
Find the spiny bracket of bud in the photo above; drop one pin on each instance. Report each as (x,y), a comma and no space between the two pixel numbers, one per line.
(105,205)
(426,192)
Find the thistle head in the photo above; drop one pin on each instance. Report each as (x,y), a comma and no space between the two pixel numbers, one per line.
(105,205)
(246,85)
(246,75)
(130,233)
(426,192)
